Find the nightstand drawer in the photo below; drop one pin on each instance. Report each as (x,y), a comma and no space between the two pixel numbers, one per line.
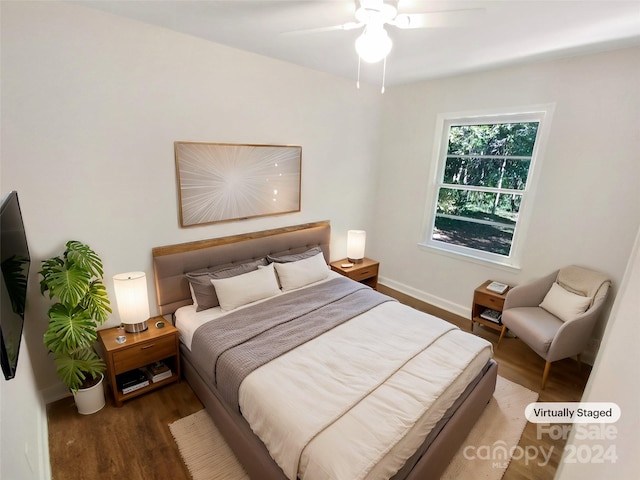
(144,353)
(489,301)
(364,273)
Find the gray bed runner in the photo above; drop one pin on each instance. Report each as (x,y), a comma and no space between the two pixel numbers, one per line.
(227,349)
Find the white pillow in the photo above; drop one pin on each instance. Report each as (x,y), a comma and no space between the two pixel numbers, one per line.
(303,272)
(249,287)
(193,296)
(563,304)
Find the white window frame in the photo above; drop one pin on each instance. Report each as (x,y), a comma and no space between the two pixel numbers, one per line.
(536,113)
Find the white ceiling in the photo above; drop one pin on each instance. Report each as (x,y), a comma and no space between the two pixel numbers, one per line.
(485,34)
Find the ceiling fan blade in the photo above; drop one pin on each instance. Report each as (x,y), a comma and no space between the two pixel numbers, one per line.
(441,19)
(344,26)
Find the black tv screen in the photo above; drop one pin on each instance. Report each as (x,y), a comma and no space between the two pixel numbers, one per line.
(14,254)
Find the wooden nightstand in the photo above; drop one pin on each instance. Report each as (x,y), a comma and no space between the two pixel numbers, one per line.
(365,272)
(139,350)
(482,299)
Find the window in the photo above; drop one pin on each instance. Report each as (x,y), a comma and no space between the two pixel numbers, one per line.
(482,183)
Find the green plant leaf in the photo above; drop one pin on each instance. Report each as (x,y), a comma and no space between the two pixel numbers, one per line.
(75,368)
(69,283)
(82,255)
(96,301)
(48,267)
(69,330)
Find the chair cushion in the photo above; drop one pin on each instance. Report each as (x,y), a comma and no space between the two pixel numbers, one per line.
(563,304)
(582,281)
(534,325)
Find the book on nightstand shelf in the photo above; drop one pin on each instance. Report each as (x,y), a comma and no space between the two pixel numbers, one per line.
(131,381)
(492,315)
(158,371)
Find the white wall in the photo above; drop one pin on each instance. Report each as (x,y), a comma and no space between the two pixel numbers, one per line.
(91,106)
(605,385)
(93,103)
(587,204)
(24,446)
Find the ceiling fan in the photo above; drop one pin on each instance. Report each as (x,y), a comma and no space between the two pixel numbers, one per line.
(380,12)
(374,44)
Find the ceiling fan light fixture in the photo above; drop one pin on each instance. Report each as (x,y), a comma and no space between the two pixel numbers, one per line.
(376,11)
(374,44)
(402,21)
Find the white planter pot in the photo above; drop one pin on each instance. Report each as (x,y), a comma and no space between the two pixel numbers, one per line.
(90,400)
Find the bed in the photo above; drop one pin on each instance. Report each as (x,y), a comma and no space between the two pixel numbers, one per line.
(315,377)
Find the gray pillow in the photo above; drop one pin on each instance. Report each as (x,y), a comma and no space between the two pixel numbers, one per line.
(202,288)
(312,252)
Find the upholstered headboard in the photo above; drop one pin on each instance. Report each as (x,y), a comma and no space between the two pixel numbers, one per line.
(170,263)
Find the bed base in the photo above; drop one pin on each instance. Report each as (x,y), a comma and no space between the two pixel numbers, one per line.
(255,458)
(172,288)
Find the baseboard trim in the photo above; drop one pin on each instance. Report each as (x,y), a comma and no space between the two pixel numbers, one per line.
(44,459)
(461,311)
(54,393)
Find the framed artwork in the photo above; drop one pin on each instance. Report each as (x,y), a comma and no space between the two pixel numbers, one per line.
(219,182)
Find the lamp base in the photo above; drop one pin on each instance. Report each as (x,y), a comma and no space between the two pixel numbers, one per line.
(355,260)
(136,327)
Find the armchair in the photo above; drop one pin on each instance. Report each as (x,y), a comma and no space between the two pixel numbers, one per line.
(555,315)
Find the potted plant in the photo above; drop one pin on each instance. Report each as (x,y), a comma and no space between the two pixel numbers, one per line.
(82,303)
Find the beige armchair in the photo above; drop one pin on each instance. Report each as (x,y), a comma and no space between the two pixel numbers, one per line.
(555,315)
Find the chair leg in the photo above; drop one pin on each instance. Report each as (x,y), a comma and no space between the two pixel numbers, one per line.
(504,330)
(580,362)
(545,374)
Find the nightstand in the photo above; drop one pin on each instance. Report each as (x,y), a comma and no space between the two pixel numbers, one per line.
(483,299)
(139,350)
(364,272)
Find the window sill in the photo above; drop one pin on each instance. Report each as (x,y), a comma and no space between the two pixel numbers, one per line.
(469,257)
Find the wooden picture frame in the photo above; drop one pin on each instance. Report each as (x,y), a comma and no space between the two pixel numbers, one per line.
(220,182)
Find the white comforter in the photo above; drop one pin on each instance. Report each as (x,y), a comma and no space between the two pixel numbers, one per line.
(357,401)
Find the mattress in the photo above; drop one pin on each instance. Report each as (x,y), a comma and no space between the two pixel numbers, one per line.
(375,411)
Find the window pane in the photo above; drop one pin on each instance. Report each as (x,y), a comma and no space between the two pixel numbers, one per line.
(478,205)
(515,139)
(488,238)
(515,174)
(486,172)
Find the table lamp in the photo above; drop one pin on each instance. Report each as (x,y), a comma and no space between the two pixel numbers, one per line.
(355,245)
(133,303)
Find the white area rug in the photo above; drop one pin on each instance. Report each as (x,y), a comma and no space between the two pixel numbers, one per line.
(486,452)
(481,456)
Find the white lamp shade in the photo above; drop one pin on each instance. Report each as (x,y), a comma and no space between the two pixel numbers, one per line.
(356,240)
(374,44)
(131,296)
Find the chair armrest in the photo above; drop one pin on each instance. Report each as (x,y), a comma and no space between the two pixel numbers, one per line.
(573,337)
(531,294)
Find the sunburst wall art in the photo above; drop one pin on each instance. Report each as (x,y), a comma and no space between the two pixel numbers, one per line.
(218,182)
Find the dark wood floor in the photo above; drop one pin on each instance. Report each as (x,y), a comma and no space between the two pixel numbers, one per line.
(134,441)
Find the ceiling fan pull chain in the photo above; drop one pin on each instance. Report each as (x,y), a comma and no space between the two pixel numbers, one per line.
(384,73)
(358,81)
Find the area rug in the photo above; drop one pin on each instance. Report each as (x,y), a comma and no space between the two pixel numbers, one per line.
(486,452)
(481,456)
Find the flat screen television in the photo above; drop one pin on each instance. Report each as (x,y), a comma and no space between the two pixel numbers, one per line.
(14,254)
